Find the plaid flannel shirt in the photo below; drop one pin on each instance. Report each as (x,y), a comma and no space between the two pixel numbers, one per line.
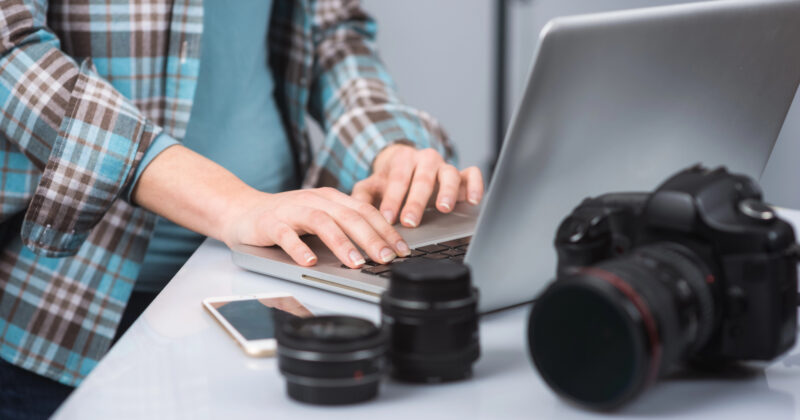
(85,87)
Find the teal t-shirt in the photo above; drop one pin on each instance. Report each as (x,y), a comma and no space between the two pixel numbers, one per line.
(234,122)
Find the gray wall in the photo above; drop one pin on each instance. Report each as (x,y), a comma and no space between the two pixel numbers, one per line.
(440,53)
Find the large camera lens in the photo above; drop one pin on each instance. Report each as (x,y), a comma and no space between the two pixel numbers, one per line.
(430,310)
(331,359)
(602,334)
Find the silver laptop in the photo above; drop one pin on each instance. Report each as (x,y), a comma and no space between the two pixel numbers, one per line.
(614,102)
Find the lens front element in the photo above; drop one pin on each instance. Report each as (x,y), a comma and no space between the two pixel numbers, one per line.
(586,346)
(600,335)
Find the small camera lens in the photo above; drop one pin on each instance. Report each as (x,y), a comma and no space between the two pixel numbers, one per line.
(602,334)
(430,310)
(331,359)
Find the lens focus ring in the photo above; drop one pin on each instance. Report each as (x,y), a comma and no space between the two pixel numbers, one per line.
(331,359)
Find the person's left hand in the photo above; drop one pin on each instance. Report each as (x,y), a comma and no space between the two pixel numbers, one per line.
(401,171)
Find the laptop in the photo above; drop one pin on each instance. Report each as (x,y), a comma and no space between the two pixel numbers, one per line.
(614,101)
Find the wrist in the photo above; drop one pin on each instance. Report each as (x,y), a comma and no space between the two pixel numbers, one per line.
(238,204)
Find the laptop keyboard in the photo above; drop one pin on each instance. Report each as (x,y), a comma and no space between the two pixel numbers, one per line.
(453,250)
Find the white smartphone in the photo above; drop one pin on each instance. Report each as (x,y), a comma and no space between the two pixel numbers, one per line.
(249,319)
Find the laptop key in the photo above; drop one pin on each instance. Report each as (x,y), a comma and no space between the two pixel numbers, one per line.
(416,253)
(378,269)
(453,252)
(432,248)
(435,256)
(456,242)
(386,274)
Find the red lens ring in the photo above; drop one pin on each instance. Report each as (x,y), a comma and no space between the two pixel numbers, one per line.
(644,311)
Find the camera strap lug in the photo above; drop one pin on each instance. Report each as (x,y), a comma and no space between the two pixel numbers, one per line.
(793,252)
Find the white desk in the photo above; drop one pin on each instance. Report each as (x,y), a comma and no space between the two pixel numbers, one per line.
(175,362)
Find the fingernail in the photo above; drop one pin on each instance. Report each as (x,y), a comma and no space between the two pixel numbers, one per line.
(310,257)
(357,258)
(403,248)
(473,198)
(387,255)
(410,220)
(446,204)
(387,214)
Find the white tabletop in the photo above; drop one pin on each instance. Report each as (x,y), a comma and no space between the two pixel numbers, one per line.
(175,362)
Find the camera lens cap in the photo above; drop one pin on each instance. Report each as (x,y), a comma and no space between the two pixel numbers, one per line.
(430,280)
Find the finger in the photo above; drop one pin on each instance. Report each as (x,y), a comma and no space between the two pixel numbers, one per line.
(397,186)
(365,190)
(355,225)
(318,222)
(422,186)
(449,180)
(372,216)
(286,238)
(472,179)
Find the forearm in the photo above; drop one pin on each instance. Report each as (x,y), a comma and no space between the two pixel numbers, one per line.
(192,191)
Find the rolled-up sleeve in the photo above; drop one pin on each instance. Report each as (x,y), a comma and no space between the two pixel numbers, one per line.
(84,136)
(160,143)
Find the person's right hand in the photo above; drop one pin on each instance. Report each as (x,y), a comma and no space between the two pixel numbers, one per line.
(198,194)
(339,220)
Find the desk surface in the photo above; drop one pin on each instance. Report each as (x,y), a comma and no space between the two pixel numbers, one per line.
(175,362)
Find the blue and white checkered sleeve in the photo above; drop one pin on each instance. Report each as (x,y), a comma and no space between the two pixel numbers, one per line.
(81,133)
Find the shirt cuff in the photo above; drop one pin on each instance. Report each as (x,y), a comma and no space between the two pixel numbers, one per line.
(159,144)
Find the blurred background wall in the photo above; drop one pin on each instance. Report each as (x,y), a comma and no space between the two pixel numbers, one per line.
(442,53)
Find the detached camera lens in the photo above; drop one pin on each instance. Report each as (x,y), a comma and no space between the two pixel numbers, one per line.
(331,359)
(430,310)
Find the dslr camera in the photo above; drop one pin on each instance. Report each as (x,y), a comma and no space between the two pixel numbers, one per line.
(701,271)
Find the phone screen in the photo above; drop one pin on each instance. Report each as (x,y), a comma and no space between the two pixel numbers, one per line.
(254,318)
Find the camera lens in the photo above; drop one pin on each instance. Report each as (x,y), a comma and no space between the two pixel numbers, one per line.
(331,359)
(602,334)
(430,310)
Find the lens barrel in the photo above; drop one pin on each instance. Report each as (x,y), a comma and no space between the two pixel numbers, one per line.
(331,359)
(430,311)
(602,334)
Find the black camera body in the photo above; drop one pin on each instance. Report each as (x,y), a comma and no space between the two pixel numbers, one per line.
(720,217)
(699,271)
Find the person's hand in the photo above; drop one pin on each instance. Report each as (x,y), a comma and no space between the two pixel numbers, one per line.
(339,220)
(401,171)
